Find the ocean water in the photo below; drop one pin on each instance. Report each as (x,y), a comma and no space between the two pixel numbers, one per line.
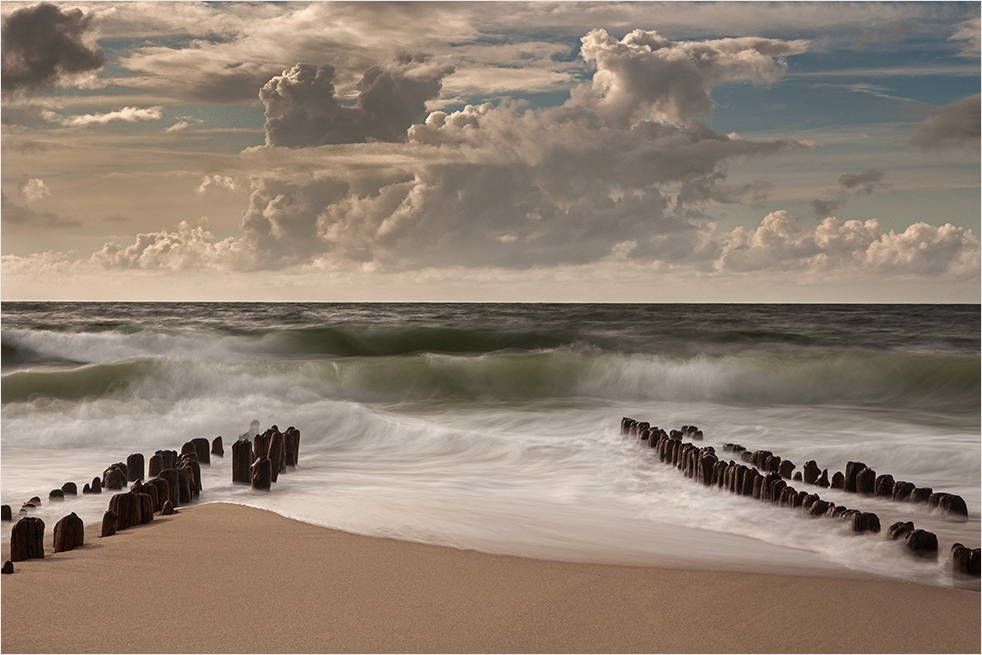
(497,427)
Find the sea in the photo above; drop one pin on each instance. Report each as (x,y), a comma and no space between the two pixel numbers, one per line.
(496,427)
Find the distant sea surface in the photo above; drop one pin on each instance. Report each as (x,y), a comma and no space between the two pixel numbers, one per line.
(496,426)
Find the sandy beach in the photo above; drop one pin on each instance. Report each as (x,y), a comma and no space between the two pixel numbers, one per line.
(227,578)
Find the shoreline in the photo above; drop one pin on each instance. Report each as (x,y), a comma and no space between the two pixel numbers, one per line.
(221,577)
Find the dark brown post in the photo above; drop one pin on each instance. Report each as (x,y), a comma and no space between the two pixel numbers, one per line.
(109,521)
(262,474)
(155,466)
(216,447)
(69,533)
(174,489)
(241,461)
(277,454)
(27,539)
(134,467)
(202,449)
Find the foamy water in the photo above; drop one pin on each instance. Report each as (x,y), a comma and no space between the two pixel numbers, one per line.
(497,428)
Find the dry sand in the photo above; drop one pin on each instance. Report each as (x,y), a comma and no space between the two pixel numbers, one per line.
(226,578)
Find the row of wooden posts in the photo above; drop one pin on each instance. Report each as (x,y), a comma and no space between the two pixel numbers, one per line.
(172,479)
(767,481)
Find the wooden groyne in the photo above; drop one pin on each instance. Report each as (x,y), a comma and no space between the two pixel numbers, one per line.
(767,479)
(172,479)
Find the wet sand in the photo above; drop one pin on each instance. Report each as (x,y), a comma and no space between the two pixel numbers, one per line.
(226,578)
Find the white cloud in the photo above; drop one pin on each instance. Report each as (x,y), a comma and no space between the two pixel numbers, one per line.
(34,190)
(645,76)
(126,115)
(969,33)
(186,248)
(217,181)
(780,243)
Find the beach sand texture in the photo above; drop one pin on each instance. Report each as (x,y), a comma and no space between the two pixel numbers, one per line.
(228,578)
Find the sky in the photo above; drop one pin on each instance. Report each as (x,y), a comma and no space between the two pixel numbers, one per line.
(483,151)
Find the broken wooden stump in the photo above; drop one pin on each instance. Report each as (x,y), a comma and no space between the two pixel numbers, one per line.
(70,489)
(27,539)
(69,533)
(216,447)
(134,467)
(168,508)
(56,494)
(8,568)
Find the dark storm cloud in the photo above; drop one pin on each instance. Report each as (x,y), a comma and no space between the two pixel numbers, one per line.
(850,184)
(955,126)
(15,215)
(823,208)
(862,183)
(303,110)
(42,44)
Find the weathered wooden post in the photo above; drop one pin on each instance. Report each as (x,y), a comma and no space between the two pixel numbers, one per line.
(6,514)
(241,461)
(70,489)
(216,447)
(109,522)
(922,543)
(163,492)
(277,454)
(262,474)
(114,477)
(852,470)
(260,445)
(69,533)
(201,447)
(128,508)
(865,522)
(155,466)
(134,467)
(27,539)
(173,485)
(185,483)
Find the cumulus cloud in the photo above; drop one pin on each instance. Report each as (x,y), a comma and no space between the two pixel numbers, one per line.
(126,115)
(34,190)
(956,126)
(646,76)
(186,248)
(780,243)
(42,45)
(217,181)
(302,108)
(617,173)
